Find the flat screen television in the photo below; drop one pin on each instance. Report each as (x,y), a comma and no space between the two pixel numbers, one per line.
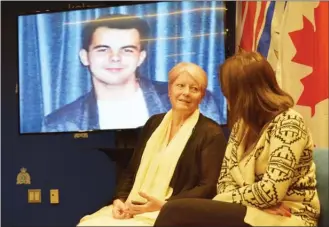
(106,68)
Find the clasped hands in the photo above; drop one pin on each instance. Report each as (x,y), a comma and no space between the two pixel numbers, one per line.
(126,210)
(279,209)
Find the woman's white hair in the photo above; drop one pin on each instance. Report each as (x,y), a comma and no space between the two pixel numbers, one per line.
(193,70)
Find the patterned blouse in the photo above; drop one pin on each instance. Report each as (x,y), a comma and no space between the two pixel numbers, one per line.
(279,168)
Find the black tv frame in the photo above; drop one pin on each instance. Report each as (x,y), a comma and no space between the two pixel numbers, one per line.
(28,8)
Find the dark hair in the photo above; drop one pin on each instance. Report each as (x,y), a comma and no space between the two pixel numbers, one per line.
(254,96)
(116,21)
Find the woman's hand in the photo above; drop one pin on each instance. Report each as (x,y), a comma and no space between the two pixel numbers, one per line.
(119,210)
(279,209)
(152,204)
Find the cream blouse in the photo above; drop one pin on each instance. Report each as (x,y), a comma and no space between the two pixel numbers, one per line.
(279,168)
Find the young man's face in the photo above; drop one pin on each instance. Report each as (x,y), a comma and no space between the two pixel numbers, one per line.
(113,55)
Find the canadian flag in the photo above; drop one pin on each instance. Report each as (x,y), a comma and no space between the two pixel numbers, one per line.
(294,38)
(302,67)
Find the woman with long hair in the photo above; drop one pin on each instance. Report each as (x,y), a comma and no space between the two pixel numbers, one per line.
(268,173)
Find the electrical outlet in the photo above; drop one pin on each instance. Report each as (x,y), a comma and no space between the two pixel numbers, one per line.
(54,196)
(34,195)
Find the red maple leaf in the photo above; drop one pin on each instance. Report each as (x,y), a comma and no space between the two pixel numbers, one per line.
(311,43)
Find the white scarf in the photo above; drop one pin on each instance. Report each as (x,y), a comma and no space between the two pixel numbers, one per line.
(159,160)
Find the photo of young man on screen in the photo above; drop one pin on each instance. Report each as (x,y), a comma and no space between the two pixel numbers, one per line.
(113,49)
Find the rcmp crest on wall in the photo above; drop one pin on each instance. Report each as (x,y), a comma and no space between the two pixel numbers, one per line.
(23,177)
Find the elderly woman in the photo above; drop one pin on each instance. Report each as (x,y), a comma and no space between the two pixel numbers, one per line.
(178,155)
(268,174)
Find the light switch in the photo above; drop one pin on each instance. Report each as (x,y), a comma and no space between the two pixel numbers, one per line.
(54,196)
(34,195)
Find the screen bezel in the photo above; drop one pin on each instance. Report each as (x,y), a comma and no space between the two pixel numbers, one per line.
(55,7)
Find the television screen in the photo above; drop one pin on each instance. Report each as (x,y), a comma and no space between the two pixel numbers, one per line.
(107,68)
